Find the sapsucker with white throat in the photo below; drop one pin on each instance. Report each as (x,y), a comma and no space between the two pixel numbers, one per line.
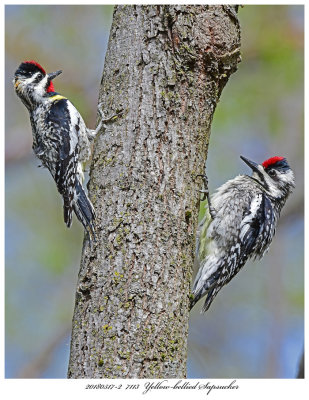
(61,139)
(239,224)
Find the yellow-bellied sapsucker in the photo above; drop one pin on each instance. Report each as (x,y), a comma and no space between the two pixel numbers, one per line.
(240,224)
(61,139)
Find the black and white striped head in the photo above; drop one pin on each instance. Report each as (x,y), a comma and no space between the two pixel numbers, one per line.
(31,82)
(274,174)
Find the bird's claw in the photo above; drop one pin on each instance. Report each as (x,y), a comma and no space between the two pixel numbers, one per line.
(104,120)
(204,191)
(205,194)
(109,119)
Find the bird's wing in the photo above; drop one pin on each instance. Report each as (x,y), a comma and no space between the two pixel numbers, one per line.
(63,138)
(257,225)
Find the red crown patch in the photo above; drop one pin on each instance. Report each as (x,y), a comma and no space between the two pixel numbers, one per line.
(36,64)
(272,161)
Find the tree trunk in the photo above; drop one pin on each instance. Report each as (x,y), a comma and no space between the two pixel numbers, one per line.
(165,69)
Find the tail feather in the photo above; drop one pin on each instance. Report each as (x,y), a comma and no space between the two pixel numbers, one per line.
(210,298)
(84,209)
(211,294)
(205,283)
(193,300)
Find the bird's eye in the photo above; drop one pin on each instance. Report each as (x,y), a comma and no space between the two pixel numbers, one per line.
(272,172)
(40,76)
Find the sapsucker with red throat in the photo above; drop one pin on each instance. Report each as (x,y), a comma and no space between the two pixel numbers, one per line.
(61,139)
(239,224)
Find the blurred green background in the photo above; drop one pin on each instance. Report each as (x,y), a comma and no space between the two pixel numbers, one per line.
(255,327)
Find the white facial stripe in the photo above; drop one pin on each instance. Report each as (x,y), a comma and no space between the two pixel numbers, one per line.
(288,177)
(42,84)
(39,88)
(32,78)
(275,186)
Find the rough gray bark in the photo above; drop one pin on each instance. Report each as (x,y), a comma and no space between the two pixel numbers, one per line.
(165,68)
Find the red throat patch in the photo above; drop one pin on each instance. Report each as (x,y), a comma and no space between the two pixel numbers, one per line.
(50,87)
(272,161)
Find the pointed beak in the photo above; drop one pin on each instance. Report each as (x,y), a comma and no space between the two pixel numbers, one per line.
(253,165)
(53,75)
